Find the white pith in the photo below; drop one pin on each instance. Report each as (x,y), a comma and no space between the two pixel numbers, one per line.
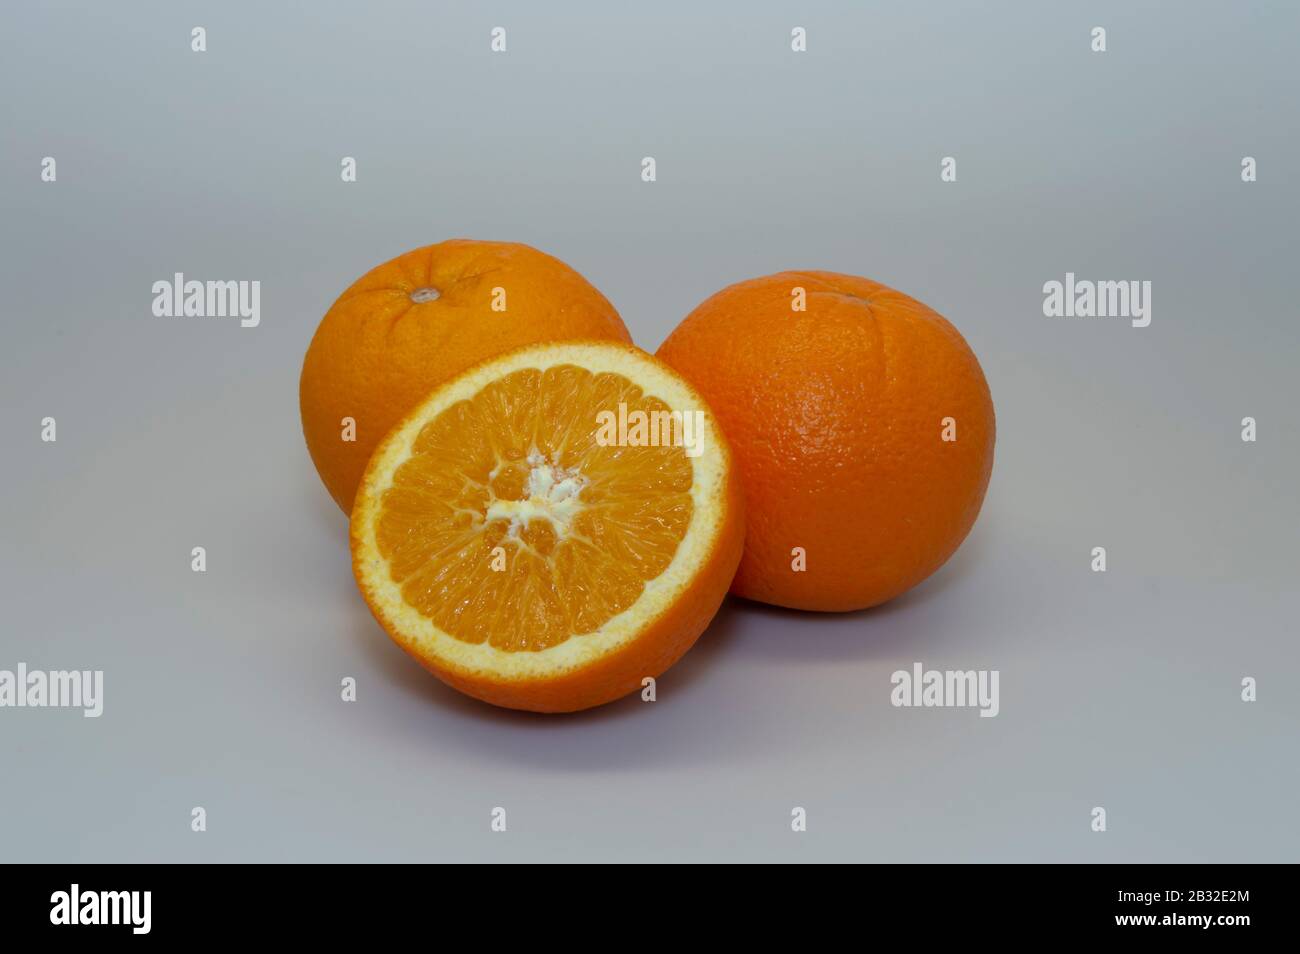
(551,493)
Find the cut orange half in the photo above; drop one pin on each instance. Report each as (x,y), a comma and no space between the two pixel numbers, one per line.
(552,527)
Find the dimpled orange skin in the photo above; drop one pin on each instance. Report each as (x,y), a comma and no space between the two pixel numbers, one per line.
(835,416)
(377,352)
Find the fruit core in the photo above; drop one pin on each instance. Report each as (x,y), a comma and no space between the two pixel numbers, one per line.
(548,498)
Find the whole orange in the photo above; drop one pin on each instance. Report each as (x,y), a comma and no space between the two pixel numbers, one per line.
(410,324)
(862,425)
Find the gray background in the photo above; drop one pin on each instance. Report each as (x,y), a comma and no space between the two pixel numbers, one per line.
(222,689)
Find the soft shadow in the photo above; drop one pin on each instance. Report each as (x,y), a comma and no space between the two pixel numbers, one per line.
(688,724)
(701,717)
(324,510)
(917,618)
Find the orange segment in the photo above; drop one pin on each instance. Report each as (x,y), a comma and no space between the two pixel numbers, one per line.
(503,538)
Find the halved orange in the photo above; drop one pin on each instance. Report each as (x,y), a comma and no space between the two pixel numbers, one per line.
(551,527)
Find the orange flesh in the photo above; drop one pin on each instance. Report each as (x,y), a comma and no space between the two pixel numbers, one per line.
(582,527)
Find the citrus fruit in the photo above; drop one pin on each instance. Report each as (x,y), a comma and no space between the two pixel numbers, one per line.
(416,321)
(529,549)
(862,425)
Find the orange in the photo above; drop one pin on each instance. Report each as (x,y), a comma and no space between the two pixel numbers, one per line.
(523,538)
(420,319)
(863,427)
